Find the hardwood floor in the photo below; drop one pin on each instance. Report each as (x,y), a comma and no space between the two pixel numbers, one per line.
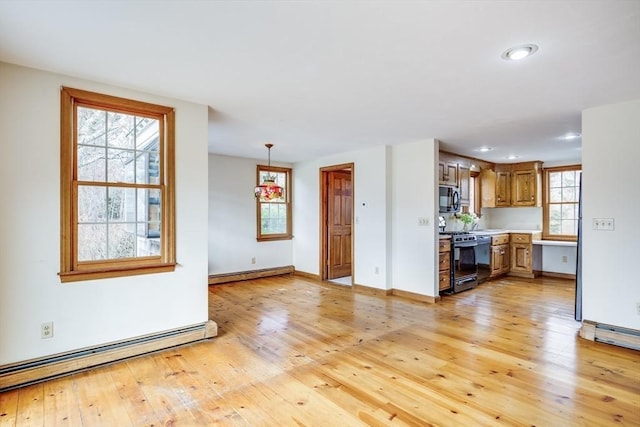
(294,352)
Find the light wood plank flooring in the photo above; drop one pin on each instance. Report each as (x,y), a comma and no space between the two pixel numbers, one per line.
(294,352)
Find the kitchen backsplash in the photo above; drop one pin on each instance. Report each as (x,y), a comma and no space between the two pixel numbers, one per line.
(514,218)
(501,218)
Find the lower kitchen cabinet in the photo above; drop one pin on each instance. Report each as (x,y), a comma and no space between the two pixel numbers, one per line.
(444,266)
(499,255)
(522,255)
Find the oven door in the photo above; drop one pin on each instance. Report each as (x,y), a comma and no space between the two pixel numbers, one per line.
(464,256)
(465,268)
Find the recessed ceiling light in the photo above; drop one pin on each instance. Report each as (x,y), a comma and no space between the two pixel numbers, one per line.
(519,52)
(484,149)
(571,135)
(512,157)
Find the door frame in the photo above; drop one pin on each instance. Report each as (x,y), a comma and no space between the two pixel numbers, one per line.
(324,217)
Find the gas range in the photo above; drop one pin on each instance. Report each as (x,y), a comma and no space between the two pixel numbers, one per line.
(464,268)
(459,238)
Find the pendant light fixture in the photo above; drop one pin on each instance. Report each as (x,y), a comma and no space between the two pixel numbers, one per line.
(268,190)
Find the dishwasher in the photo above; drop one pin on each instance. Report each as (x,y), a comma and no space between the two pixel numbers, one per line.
(483,256)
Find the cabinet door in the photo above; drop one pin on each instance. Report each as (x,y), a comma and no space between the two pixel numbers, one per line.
(499,260)
(521,258)
(496,263)
(464,177)
(487,188)
(504,254)
(503,188)
(448,173)
(524,188)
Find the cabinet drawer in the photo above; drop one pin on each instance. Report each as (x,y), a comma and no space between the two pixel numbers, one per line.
(445,245)
(521,238)
(501,239)
(444,283)
(445,261)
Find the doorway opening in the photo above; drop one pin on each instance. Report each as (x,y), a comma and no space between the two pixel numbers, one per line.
(336,223)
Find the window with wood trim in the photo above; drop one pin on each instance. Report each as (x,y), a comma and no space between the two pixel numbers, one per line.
(561,202)
(117,187)
(274,215)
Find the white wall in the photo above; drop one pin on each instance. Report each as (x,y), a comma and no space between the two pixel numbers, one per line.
(414,196)
(610,155)
(232,219)
(553,259)
(97,311)
(370,211)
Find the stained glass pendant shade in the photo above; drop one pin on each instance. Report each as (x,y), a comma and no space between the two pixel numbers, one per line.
(268,190)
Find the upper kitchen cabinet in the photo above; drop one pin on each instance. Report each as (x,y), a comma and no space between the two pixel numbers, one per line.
(527,180)
(517,184)
(447,172)
(503,185)
(464,179)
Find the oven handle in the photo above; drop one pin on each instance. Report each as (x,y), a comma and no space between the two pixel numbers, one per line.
(465,244)
(465,280)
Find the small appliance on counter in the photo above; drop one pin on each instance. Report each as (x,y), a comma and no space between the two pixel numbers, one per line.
(442,224)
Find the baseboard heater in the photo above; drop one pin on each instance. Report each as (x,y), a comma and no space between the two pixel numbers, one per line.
(50,367)
(218,279)
(616,335)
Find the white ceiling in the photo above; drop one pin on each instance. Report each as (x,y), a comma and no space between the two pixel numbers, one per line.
(321,77)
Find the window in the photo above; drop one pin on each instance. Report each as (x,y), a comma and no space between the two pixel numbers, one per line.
(274,215)
(561,202)
(117,180)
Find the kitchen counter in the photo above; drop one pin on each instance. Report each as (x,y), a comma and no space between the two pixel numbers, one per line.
(494,231)
(554,243)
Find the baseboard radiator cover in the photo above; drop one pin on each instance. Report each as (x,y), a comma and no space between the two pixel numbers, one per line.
(238,276)
(46,368)
(609,334)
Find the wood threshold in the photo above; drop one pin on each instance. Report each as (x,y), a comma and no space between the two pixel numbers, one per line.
(57,365)
(216,279)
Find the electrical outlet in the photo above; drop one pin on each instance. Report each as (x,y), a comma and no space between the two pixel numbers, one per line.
(564,258)
(46,330)
(377,270)
(253,260)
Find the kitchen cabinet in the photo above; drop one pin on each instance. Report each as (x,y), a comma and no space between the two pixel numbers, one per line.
(448,172)
(464,179)
(499,255)
(527,184)
(522,254)
(517,184)
(503,188)
(444,276)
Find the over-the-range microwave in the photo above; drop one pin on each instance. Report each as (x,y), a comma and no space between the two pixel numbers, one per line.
(449,199)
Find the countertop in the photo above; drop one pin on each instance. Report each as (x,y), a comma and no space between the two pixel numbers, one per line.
(493,231)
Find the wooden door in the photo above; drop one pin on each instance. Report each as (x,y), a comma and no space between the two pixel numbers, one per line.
(339,210)
(524,188)
(448,173)
(521,258)
(503,188)
(464,176)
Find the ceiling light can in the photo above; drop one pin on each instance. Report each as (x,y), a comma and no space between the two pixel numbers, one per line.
(519,52)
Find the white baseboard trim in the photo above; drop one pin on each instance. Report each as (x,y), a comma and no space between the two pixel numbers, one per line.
(45,368)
